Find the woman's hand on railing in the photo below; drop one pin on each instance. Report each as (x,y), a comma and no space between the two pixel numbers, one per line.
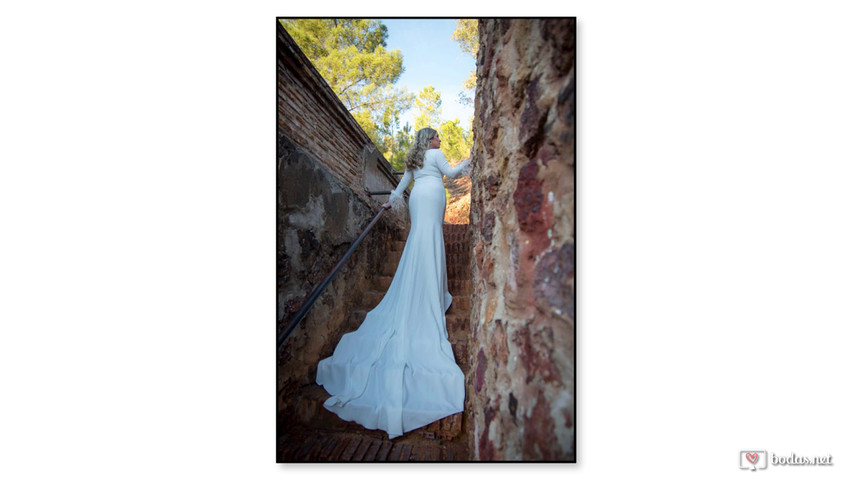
(386,205)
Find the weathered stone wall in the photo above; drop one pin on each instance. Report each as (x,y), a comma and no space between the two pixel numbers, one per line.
(323,159)
(521,385)
(318,219)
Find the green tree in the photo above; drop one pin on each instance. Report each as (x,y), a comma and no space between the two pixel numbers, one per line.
(403,140)
(468,37)
(350,54)
(428,104)
(455,141)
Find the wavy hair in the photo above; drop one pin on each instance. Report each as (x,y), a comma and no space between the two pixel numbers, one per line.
(415,157)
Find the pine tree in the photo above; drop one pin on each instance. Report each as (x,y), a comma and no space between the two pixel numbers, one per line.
(350,54)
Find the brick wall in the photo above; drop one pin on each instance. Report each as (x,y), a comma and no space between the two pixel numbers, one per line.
(323,159)
(315,120)
(521,388)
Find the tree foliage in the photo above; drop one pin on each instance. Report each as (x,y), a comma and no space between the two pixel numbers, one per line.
(428,104)
(468,37)
(403,139)
(350,55)
(455,141)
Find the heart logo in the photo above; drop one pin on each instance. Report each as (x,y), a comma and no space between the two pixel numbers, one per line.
(752,457)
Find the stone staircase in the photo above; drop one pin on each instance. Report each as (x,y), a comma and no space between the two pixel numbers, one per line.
(319,435)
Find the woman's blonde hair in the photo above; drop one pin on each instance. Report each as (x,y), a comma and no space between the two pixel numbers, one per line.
(415,157)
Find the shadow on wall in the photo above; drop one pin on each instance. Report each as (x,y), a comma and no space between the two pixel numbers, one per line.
(318,219)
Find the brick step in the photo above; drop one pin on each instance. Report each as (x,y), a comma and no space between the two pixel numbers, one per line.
(309,413)
(463,289)
(301,445)
(456,323)
(309,410)
(460,352)
(456,249)
(393,256)
(383,282)
(448,428)
(400,236)
(371,298)
(457,238)
(459,334)
(388,268)
(461,305)
(457,260)
(459,287)
(354,320)
(459,272)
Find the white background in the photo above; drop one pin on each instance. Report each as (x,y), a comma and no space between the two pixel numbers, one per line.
(137,220)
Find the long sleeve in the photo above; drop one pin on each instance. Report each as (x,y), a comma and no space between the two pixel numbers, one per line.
(446,169)
(396,198)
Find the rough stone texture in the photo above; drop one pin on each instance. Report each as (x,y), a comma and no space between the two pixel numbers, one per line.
(324,163)
(521,382)
(318,219)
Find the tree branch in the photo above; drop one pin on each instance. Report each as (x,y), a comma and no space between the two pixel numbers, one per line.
(366,104)
(350,85)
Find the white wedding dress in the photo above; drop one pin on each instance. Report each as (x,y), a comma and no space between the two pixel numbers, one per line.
(396,372)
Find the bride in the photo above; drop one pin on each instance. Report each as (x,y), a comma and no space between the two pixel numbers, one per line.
(396,372)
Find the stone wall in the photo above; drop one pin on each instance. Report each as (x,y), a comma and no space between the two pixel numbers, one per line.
(318,219)
(521,387)
(324,161)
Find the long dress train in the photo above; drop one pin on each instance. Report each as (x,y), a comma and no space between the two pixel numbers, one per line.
(397,372)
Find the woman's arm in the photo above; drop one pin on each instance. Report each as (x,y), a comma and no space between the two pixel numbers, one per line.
(397,195)
(446,169)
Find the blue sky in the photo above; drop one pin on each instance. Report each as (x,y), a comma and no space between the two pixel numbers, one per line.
(432,57)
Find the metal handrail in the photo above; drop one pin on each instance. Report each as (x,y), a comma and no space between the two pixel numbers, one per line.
(306,307)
